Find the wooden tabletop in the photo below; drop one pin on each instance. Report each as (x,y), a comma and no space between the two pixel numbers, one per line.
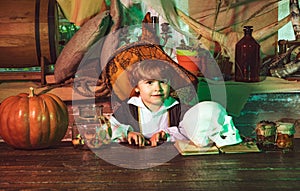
(65,168)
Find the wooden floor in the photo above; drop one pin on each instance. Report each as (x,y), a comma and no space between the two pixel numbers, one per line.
(66,168)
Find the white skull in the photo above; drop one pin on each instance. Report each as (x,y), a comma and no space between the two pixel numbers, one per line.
(208,122)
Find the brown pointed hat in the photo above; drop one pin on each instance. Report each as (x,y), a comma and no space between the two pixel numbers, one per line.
(115,72)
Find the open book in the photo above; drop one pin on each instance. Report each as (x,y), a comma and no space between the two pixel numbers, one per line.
(189,148)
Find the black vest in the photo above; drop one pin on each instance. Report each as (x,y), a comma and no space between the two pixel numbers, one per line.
(128,114)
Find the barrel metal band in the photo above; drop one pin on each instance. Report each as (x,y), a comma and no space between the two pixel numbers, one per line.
(37,31)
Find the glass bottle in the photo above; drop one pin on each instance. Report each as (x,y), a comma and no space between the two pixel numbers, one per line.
(247,58)
(155,25)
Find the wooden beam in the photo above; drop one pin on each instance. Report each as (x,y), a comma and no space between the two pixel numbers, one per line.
(4,76)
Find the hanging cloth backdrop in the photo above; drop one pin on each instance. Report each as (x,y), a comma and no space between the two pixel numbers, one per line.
(79,11)
(213,21)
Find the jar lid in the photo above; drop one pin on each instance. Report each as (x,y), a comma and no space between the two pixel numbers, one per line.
(266,128)
(285,128)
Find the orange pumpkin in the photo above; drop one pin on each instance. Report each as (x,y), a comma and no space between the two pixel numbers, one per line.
(29,121)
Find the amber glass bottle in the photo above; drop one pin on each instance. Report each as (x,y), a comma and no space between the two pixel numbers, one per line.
(247,58)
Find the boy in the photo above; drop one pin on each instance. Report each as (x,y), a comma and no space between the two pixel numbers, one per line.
(150,115)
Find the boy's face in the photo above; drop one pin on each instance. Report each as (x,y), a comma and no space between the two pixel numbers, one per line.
(153,92)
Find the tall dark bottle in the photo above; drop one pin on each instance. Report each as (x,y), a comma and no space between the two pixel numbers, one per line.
(247,58)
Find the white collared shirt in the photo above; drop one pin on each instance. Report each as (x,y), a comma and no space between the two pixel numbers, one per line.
(153,122)
(150,122)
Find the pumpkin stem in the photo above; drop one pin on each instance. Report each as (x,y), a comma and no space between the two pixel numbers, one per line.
(31,93)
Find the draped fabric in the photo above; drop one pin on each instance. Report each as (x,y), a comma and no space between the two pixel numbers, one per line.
(212,17)
(80,11)
(226,20)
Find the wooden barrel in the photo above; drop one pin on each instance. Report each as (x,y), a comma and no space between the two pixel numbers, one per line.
(28,31)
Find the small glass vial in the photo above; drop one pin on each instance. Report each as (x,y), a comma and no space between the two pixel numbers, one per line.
(247,58)
(77,139)
(285,135)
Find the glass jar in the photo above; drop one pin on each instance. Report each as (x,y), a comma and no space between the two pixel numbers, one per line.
(285,135)
(91,128)
(266,135)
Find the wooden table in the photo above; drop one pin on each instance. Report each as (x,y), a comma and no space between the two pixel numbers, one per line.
(66,168)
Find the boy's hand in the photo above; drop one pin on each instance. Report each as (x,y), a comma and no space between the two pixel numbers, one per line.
(159,136)
(136,138)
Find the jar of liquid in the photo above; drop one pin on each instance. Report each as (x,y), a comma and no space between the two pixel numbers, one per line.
(266,134)
(247,58)
(285,135)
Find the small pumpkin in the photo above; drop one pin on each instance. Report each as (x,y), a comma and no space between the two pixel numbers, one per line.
(30,121)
